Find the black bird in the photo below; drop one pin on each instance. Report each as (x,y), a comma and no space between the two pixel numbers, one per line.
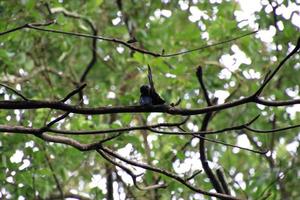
(148,94)
(156,99)
(145,98)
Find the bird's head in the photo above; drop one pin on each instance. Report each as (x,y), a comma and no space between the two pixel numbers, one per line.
(145,90)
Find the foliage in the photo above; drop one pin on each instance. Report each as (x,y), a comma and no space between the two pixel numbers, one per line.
(48,66)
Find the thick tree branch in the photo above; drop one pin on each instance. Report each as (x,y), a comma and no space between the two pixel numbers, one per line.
(213,179)
(57,105)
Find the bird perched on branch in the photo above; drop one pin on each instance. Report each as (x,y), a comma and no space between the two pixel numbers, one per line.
(148,94)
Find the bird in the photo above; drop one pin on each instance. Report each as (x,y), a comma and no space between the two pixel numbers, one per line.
(145,98)
(149,96)
(156,99)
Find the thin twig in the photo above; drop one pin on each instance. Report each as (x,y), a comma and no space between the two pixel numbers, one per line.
(231,145)
(27,130)
(73,92)
(15,91)
(57,119)
(86,132)
(94,41)
(208,46)
(36,26)
(269,77)
(273,130)
(193,175)
(58,185)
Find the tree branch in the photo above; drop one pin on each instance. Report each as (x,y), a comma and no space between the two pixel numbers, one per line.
(57,105)
(222,181)
(130,173)
(269,77)
(273,130)
(14,91)
(213,179)
(77,90)
(58,185)
(36,26)
(166,173)
(27,130)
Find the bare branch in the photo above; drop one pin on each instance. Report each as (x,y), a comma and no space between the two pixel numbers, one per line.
(94,41)
(13,30)
(58,185)
(26,130)
(222,181)
(34,104)
(166,173)
(207,117)
(85,132)
(35,131)
(130,173)
(197,135)
(231,145)
(15,91)
(57,119)
(73,92)
(36,26)
(19,129)
(199,74)
(269,77)
(273,130)
(193,176)
(208,46)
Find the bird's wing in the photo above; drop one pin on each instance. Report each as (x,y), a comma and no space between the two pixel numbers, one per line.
(156,99)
